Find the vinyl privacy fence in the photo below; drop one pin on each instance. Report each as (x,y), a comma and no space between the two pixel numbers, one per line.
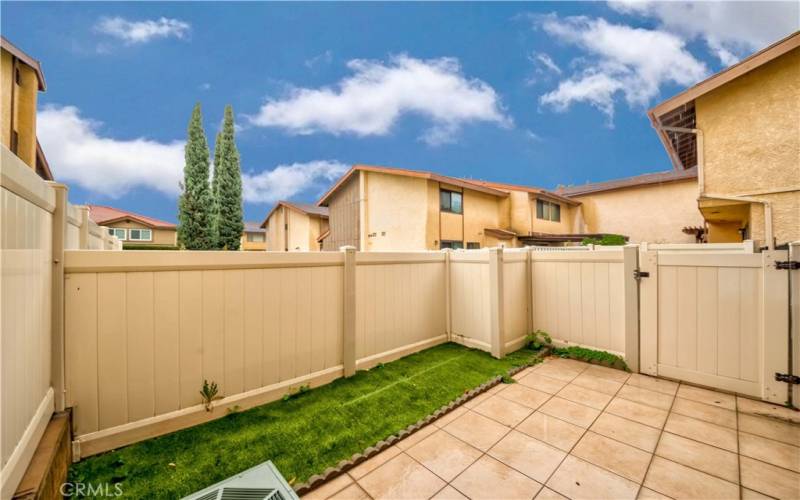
(36,224)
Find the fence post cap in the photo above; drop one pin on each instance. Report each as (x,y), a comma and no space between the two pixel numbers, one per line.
(347,248)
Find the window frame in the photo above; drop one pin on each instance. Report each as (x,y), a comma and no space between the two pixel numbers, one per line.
(548,210)
(113,232)
(250,236)
(449,208)
(149,232)
(451,244)
(473,245)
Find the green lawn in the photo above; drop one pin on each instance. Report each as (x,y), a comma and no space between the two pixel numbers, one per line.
(304,435)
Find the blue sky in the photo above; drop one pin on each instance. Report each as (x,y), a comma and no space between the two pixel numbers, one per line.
(531,93)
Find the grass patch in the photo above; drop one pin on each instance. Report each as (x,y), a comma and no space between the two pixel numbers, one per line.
(304,434)
(592,356)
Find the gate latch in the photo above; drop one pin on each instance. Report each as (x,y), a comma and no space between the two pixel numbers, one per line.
(788,378)
(637,274)
(787,265)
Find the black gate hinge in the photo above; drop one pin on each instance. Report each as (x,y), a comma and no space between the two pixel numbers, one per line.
(788,265)
(637,274)
(788,378)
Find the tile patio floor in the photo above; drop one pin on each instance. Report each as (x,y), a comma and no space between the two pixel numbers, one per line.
(574,430)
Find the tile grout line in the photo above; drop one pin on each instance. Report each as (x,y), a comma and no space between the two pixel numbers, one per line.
(658,442)
(738,448)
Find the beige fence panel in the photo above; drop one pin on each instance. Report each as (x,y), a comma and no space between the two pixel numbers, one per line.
(516,297)
(579,298)
(26,397)
(400,304)
(470,307)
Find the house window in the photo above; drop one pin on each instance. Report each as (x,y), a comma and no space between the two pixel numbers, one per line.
(256,237)
(455,245)
(140,235)
(451,201)
(473,245)
(546,210)
(119,233)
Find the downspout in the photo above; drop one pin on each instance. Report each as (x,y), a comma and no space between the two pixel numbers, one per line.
(701,183)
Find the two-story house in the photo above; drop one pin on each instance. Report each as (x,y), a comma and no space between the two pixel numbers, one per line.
(295,227)
(134,230)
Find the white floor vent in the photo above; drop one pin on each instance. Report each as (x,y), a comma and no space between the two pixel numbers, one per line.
(262,482)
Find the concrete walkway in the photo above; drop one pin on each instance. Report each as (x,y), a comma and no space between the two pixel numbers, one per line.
(574,430)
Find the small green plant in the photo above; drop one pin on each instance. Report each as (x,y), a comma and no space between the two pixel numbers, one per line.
(605,240)
(293,394)
(507,379)
(538,340)
(209,393)
(592,356)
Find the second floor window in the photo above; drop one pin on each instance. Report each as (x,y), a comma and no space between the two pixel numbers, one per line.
(455,245)
(546,210)
(256,237)
(118,232)
(140,235)
(451,201)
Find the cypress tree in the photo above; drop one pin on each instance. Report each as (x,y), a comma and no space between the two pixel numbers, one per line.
(228,187)
(194,208)
(215,192)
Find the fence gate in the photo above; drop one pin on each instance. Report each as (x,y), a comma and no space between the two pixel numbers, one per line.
(717,319)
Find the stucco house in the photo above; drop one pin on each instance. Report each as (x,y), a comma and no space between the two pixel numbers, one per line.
(22,81)
(295,227)
(253,237)
(134,230)
(740,128)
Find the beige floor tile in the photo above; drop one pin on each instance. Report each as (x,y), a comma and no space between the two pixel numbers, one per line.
(619,458)
(477,430)
(578,479)
(548,494)
(708,413)
(770,451)
(627,431)
(352,492)
(645,396)
(373,463)
(573,413)
(472,403)
(330,488)
(715,435)
(770,428)
(599,384)
(653,384)
(524,373)
(571,364)
(441,422)
(542,383)
(503,410)
(637,412)
(768,479)
(399,478)
(754,495)
(678,481)
(703,457)
(648,494)
(449,493)
(761,408)
(706,396)
(416,437)
(559,372)
(552,430)
(530,456)
(444,455)
(585,396)
(608,373)
(492,480)
(498,388)
(525,396)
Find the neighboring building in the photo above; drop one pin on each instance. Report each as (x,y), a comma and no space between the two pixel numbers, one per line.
(22,80)
(132,229)
(658,208)
(253,237)
(741,128)
(390,209)
(295,227)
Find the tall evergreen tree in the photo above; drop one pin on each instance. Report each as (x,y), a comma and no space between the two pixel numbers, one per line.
(194,208)
(228,186)
(215,191)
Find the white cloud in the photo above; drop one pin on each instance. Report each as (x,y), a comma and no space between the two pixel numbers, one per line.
(133,32)
(374,98)
(547,62)
(285,181)
(633,62)
(78,153)
(730,29)
(319,59)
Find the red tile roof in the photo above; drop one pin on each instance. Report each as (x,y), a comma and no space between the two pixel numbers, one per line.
(105,215)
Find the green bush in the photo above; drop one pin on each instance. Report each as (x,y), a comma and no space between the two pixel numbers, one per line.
(591,356)
(539,340)
(605,240)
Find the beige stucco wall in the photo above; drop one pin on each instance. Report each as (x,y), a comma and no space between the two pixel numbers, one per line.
(23,108)
(655,213)
(564,226)
(396,211)
(303,231)
(251,245)
(160,236)
(275,232)
(481,210)
(751,128)
(344,218)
